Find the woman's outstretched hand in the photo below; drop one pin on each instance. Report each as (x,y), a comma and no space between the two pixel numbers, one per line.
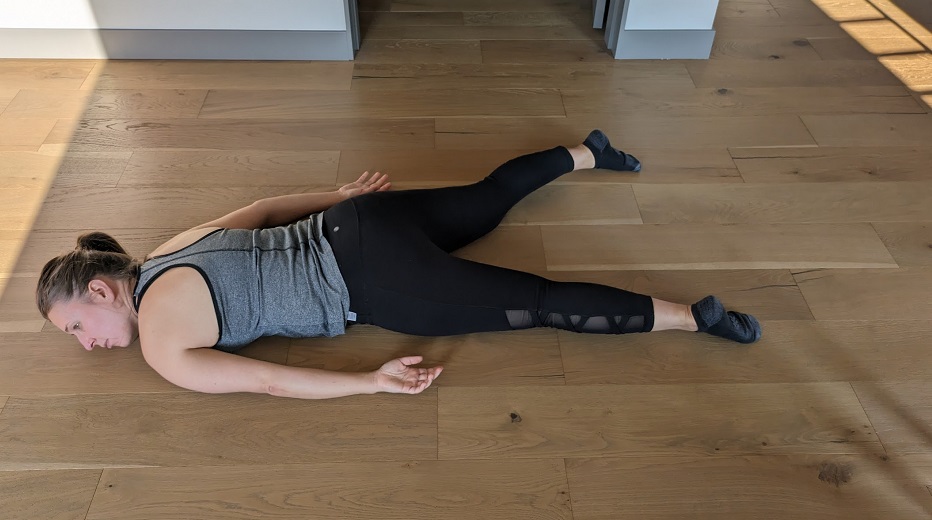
(399,377)
(364,184)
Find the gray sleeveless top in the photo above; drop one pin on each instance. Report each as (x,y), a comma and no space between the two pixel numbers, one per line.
(281,281)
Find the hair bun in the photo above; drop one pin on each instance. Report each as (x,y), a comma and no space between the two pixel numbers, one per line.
(97,241)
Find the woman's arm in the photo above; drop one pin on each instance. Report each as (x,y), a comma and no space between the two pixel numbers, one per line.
(278,211)
(216,372)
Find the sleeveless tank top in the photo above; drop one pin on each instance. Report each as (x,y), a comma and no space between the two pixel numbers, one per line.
(281,281)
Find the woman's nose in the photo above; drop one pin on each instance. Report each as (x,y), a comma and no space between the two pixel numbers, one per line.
(87,343)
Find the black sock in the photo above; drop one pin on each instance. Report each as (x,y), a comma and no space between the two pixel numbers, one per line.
(608,157)
(712,318)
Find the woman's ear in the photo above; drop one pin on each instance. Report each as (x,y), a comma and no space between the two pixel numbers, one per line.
(99,290)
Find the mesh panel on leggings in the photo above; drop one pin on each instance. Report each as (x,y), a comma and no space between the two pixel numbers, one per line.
(524,319)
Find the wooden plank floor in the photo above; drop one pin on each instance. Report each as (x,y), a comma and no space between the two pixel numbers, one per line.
(789,174)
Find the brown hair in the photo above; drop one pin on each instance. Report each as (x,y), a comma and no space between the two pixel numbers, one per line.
(66,276)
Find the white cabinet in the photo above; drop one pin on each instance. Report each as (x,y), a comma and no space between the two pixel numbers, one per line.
(661,29)
(179,29)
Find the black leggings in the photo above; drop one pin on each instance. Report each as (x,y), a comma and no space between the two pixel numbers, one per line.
(393,249)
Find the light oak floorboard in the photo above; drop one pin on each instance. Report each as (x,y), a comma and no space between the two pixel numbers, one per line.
(910,243)
(27,170)
(297,104)
(900,413)
(880,294)
(673,132)
(839,487)
(543,51)
(817,203)
(563,32)
(612,421)
(249,75)
(419,51)
(781,73)
(18,311)
(182,429)
(50,495)
(767,294)
(51,74)
(789,352)
(762,49)
(372,19)
(689,246)
(24,133)
(238,134)
(568,6)
(152,208)
(6,95)
(164,168)
(524,18)
(445,490)
(870,129)
(837,10)
(833,164)
(105,104)
(530,357)
(691,101)
(914,70)
(428,76)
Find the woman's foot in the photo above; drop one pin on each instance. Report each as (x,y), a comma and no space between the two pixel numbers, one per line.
(607,157)
(712,318)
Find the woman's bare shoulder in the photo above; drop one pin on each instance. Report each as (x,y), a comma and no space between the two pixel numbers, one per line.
(181,241)
(178,312)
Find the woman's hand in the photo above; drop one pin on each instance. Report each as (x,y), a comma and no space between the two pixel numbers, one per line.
(378,182)
(399,377)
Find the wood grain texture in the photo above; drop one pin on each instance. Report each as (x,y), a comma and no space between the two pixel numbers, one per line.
(428,76)
(739,246)
(780,73)
(744,101)
(367,490)
(18,312)
(299,104)
(910,243)
(899,413)
(420,51)
(560,6)
(55,74)
(781,487)
(563,32)
(762,49)
(24,134)
(815,203)
(527,357)
(237,134)
(182,429)
(30,170)
(611,421)
(52,495)
(880,294)
(257,168)
(543,51)
(250,75)
(6,95)
(912,69)
(789,352)
(870,129)
(673,132)
(832,164)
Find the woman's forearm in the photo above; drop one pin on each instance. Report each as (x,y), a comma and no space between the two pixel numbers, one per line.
(286,209)
(311,383)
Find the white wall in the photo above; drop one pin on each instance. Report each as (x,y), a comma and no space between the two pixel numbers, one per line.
(268,15)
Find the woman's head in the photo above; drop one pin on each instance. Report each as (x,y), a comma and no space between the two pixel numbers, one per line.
(88,292)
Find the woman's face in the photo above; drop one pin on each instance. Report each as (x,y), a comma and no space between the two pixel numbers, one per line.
(100,320)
